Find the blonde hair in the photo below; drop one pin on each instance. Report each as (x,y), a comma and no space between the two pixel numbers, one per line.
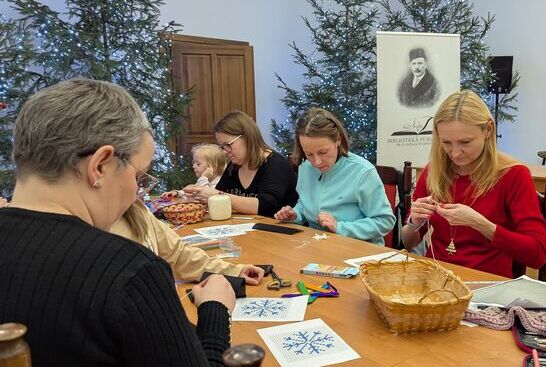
(318,122)
(465,106)
(214,156)
(239,123)
(136,220)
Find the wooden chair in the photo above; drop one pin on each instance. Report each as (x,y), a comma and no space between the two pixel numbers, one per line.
(519,269)
(542,200)
(397,185)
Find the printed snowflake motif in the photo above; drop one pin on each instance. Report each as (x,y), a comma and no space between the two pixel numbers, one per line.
(263,308)
(308,342)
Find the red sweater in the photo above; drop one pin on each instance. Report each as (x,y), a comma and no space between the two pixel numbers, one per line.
(512,205)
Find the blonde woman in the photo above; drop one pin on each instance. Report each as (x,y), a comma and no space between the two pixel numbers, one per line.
(258,180)
(187,262)
(481,204)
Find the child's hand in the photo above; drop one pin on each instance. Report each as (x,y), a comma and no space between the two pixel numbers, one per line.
(208,173)
(169,194)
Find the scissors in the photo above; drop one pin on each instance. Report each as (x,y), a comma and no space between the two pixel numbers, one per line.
(278,282)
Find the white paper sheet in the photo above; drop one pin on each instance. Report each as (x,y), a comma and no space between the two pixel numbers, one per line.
(309,343)
(225,230)
(356,262)
(270,309)
(523,291)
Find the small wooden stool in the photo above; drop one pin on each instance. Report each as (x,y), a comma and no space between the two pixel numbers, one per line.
(542,154)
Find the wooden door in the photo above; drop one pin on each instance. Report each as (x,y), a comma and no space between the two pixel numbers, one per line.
(222,75)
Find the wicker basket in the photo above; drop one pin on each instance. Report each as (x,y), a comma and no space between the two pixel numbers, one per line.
(185,213)
(415,294)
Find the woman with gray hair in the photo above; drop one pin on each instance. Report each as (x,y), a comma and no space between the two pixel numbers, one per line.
(89,298)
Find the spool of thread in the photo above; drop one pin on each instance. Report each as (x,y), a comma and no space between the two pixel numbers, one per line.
(219,207)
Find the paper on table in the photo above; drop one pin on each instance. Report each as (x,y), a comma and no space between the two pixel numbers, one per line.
(306,344)
(270,309)
(523,291)
(356,262)
(224,231)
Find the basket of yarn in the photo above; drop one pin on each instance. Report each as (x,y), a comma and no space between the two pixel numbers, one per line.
(185,213)
(415,294)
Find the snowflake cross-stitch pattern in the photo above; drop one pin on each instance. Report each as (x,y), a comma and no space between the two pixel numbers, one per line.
(308,342)
(264,308)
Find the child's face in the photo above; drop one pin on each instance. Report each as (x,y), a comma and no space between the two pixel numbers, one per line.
(199,163)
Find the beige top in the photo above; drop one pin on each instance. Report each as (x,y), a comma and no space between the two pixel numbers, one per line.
(187,262)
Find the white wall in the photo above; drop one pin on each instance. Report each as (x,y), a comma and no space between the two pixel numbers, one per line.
(269,26)
(520,31)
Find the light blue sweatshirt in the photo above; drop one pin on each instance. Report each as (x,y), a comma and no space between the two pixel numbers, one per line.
(352,192)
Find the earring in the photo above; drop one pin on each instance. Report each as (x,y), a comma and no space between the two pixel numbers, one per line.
(97,185)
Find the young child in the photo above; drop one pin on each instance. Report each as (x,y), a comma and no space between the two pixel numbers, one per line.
(209,162)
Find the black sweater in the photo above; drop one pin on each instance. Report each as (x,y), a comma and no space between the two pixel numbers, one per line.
(90,298)
(274,184)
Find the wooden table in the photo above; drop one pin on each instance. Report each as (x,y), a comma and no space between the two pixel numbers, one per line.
(538,173)
(352,315)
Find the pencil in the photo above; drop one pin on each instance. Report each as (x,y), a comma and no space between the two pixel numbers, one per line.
(243,218)
(535,358)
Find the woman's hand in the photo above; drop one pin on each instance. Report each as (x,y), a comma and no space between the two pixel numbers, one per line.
(326,220)
(463,215)
(286,214)
(200,193)
(253,275)
(214,288)
(169,194)
(422,209)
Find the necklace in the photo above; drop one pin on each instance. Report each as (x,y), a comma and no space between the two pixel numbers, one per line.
(451,249)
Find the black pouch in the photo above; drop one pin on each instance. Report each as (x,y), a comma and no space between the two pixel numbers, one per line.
(276,229)
(526,341)
(237,283)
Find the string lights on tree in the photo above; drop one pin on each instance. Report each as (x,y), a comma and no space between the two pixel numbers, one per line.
(340,74)
(113,40)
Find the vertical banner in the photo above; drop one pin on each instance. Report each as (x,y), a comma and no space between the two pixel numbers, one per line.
(415,73)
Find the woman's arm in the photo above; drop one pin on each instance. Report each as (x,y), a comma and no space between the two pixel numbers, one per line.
(372,200)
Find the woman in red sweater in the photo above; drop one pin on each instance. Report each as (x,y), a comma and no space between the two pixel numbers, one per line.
(479,204)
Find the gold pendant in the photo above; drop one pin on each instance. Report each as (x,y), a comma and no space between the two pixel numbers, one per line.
(451,248)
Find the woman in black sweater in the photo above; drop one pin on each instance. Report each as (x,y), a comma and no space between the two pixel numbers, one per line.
(258,180)
(90,298)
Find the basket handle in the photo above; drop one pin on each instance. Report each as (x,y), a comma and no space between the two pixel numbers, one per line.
(401,252)
(438,290)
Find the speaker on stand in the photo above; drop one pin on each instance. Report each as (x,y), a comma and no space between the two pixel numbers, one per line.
(502,68)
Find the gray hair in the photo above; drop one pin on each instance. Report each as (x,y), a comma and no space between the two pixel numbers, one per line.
(61,124)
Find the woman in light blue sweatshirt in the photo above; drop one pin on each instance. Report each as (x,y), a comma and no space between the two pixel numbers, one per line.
(338,191)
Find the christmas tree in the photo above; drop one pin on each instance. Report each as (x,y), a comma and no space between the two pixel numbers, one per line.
(342,80)
(16,53)
(117,41)
(342,76)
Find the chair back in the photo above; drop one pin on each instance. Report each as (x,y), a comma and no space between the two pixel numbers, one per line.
(398,189)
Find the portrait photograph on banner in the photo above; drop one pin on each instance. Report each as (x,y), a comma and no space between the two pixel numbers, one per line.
(415,73)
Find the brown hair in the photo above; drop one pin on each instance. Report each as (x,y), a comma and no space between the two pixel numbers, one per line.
(465,106)
(318,122)
(215,157)
(239,123)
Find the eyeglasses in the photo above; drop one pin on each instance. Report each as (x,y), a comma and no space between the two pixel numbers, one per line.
(145,182)
(226,147)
